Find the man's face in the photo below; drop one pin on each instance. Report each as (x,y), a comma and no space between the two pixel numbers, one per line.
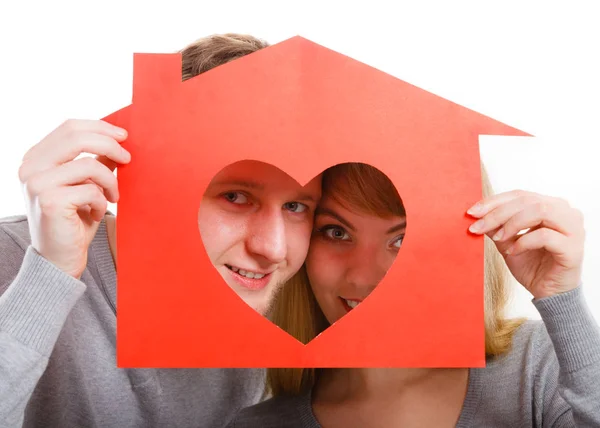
(256,223)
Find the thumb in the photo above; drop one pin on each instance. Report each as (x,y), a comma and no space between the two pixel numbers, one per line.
(502,246)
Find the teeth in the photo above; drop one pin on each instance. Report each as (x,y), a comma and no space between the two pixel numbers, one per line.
(247,274)
(353,304)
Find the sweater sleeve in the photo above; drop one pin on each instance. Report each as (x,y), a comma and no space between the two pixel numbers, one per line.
(571,399)
(35,299)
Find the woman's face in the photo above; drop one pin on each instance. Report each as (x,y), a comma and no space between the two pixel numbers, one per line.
(349,254)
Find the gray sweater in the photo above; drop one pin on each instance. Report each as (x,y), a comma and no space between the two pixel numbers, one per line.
(57,352)
(550,378)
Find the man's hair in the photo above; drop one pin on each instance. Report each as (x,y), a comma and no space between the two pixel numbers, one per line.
(209,52)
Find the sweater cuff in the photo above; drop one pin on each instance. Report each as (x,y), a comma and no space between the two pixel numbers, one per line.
(572,329)
(35,306)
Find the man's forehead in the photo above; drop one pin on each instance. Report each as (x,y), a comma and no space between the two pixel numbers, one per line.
(250,170)
(240,182)
(259,176)
(310,192)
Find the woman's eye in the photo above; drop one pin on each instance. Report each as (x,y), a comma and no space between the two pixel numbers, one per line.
(398,242)
(295,207)
(336,233)
(236,197)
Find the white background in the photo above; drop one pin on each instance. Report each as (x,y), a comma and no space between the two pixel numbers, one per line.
(532,65)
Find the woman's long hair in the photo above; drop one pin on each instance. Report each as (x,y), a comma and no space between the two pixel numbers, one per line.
(365,189)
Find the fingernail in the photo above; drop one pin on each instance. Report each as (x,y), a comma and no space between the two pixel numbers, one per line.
(509,251)
(498,236)
(477,226)
(120,132)
(475,209)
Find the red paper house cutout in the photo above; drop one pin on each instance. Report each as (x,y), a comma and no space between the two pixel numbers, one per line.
(301,107)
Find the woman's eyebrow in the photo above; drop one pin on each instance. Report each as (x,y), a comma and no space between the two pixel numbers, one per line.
(330,213)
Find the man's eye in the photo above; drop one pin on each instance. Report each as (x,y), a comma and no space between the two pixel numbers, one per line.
(236,197)
(295,207)
(335,232)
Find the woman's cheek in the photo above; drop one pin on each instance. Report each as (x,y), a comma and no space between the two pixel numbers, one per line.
(324,270)
(316,261)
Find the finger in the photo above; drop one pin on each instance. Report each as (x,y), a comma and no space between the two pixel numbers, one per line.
(110,164)
(78,126)
(486,205)
(96,201)
(543,238)
(505,244)
(548,214)
(501,246)
(76,143)
(84,211)
(67,145)
(75,198)
(503,213)
(496,218)
(69,150)
(75,172)
(95,126)
(499,215)
(85,215)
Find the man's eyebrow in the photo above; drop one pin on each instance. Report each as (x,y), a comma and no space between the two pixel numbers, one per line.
(248,184)
(306,197)
(396,228)
(257,185)
(330,213)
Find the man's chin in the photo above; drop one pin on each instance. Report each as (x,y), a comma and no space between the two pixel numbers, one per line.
(259,307)
(262,306)
(261,310)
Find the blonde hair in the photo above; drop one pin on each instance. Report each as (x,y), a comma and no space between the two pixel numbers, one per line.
(365,189)
(209,52)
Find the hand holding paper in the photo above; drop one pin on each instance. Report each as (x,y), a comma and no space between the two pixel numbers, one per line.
(547,258)
(66,198)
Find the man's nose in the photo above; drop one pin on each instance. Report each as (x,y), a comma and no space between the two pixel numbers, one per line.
(266,235)
(365,271)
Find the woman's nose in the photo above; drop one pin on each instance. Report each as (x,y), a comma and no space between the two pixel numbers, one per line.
(366,269)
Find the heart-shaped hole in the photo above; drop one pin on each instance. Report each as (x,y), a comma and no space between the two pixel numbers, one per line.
(259,226)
